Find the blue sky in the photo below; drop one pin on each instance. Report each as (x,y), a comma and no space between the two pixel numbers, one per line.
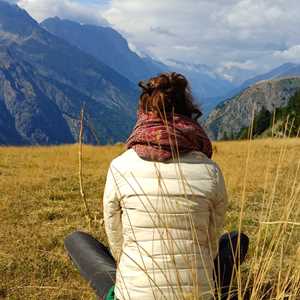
(229,35)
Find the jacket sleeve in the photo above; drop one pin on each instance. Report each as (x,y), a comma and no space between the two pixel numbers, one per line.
(218,212)
(112,214)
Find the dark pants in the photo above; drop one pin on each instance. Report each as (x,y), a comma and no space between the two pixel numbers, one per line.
(97,265)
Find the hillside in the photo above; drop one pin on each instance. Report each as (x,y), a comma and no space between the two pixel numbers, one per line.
(44,81)
(229,117)
(283,121)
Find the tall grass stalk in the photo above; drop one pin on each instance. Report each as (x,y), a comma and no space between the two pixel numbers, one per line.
(80,169)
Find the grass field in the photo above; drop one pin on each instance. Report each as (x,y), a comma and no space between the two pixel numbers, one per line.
(40,204)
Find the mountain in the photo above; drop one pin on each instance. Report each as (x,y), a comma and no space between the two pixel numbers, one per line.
(229,117)
(106,45)
(285,70)
(44,82)
(109,47)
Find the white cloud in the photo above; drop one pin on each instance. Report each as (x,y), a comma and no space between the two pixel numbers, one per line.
(247,65)
(67,9)
(293,53)
(237,71)
(162,31)
(214,32)
(246,35)
(249,13)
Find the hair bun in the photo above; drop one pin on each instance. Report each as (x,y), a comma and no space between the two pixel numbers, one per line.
(166,82)
(169,92)
(161,83)
(178,81)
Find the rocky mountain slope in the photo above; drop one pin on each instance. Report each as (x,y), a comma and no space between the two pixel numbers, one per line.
(106,45)
(111,48)
(44,82)
(229,117)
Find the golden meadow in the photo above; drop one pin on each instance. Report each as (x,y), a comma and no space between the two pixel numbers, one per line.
(40,204)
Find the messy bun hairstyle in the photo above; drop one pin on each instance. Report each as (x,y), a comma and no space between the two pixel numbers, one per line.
(168,93)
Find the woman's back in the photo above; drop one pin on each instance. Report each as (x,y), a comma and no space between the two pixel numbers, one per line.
(161,220)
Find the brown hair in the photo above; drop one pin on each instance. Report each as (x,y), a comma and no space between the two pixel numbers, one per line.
(170,93)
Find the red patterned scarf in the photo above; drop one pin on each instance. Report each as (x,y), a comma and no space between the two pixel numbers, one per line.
(154,139)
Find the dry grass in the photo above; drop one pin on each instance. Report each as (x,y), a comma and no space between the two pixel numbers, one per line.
(41,203)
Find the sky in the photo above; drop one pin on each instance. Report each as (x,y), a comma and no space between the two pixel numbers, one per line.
(249,35)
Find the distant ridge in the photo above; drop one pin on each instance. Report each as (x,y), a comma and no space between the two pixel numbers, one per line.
(229,117)
(283,71)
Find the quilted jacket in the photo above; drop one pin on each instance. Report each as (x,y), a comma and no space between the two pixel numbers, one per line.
(162,221)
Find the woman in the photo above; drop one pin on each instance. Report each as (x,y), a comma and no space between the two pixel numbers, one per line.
(164,203)
(164,199)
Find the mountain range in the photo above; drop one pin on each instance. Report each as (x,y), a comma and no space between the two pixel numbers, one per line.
(106,45)
(109,47)
(49,71)
(44,81)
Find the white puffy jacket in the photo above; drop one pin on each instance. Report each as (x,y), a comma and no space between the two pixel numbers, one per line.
(161,220)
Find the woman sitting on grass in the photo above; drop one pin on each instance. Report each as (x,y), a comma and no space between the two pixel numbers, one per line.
(164,205)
